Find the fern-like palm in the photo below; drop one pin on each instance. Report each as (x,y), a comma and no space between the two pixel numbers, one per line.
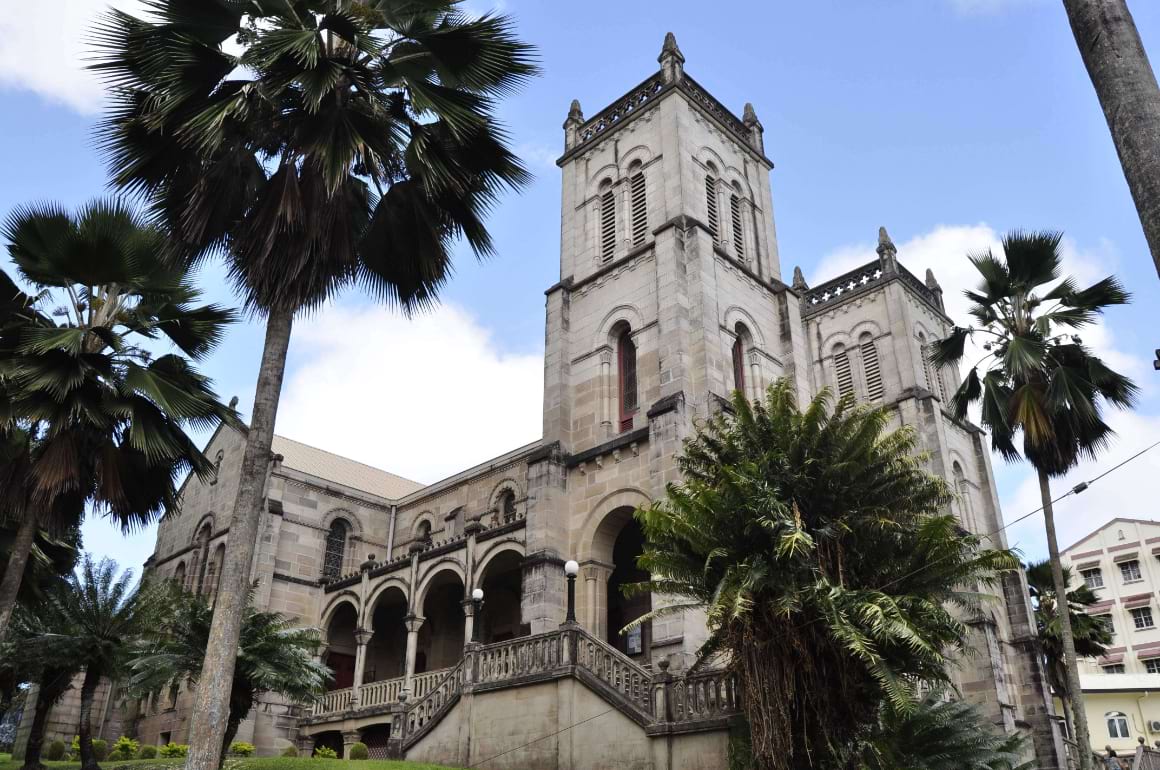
(273,656)
(815,541)
(97,383)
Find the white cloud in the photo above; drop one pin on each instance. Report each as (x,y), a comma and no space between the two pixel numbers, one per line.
(1126,492)
(423,398)
(47,47)
(980,7)
(537,156)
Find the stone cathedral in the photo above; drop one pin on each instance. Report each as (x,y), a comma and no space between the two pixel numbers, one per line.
(670,297)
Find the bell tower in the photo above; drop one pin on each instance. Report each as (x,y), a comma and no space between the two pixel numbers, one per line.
(670,282)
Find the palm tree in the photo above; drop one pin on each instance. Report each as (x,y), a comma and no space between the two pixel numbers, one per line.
(100,615)
(273,656)
(350,142)
(90,415)
(1118,67)
(1091,635)
(1039,380)
(813,540)
(939,734)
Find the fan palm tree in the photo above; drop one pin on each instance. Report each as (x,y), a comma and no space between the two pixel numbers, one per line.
(89,414)
(1091,635)
(102,614)
(939,734)
(1038,380)
(1117,64)
(813,539)
(348,142)
(273,656)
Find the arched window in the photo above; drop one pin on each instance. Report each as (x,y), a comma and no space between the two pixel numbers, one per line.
(626,378)
(738,227)
(712,214)
(607,222)
(842,373)
(965,511)
(636,193)
(507,506)
(335,548)
(1117,724)
(203,537)
(739,343)
(454,521)
(423,532)
(179,575)
(211,573)
(219,559)
(870,366)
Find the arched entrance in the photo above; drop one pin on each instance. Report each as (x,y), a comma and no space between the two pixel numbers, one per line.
(501,582)
(341,646)
(387,649)
(622,610)
(440,642)
(331,739)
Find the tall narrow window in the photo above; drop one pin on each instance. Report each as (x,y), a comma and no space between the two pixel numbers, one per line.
(842,373)
(219,559)
(607,225)
(738,230)
(335,549)
(179,575)
(626,368)
(870,367)
(636,191)
(711,208)
(507,507)
(203,537)
(739,358)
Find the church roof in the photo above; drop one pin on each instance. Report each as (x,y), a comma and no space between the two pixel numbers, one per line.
(341,470)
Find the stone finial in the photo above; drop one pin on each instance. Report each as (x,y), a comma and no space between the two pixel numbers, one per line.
(671,59)
(799,280)
(931,283)
(749,119)
(749,116)
(572,125)
(234,402)
(887,253)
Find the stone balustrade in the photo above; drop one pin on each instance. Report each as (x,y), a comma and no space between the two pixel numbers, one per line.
(334,702)
(614,668)
(518,658)
(701,696)
(429,707)
(381,693)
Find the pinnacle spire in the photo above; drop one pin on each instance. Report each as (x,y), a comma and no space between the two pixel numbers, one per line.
(884,242)
(799,280)
(931,283)
(670,47)
(672,61)
(574,112)
(749,116)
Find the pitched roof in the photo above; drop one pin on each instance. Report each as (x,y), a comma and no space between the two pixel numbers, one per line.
(1106,525)
(341,470)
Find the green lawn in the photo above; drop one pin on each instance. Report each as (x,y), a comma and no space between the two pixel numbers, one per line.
(264,763)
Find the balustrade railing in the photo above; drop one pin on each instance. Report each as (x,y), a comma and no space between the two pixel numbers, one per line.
(428,706)
(517,658)
(1146,759)
(333,702)
(615,669)
(620,109)
(423,683)
(703,696)
(382,692)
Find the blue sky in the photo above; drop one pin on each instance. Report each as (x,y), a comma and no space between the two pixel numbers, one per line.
(947,121)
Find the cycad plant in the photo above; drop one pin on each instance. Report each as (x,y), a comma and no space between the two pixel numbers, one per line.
(332,143)
(273,656)
(813,538)
(94,620)
(1091,635)
(97,385)
(1038,384)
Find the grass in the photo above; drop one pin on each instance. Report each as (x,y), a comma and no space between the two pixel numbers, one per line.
(253,763)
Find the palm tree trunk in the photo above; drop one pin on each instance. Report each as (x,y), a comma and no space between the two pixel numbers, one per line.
(85,729)
(48,693)
(231,733)
(1126,86)
(212,700)
(1082,737)
(14,572)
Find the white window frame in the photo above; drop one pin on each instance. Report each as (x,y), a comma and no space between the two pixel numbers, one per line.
(1117,722)
(1088,574)
(1152,663)
(1113,668)
(1142,614)
(1131,566)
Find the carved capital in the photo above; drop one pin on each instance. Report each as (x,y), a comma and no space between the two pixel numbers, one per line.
(413,622)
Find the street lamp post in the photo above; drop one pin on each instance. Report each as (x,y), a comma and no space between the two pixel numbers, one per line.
(477,613)
(571,569)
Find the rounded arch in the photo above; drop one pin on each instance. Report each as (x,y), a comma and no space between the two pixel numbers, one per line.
(179,573)
(736,314)
(494,549)
(737,182)
(381,591)
(425,517)
(711,161)
(209,520)
(506,484)
(863,328)
(344,597)
(605,519)
(606,332)
(640,155)
(354,526)
(607,174)
(445,564)
(839,337)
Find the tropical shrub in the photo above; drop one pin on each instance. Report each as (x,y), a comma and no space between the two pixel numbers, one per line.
(325,752)
(241,749)
(172,750)
(147,751)
(101,747)
(290,751)
(55,751)
(359,751)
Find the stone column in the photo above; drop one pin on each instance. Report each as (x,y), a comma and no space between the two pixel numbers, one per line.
(594,615)
(414,623)
(468,619)
(349,738)
(305,745)
(361,638)
(605,387)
